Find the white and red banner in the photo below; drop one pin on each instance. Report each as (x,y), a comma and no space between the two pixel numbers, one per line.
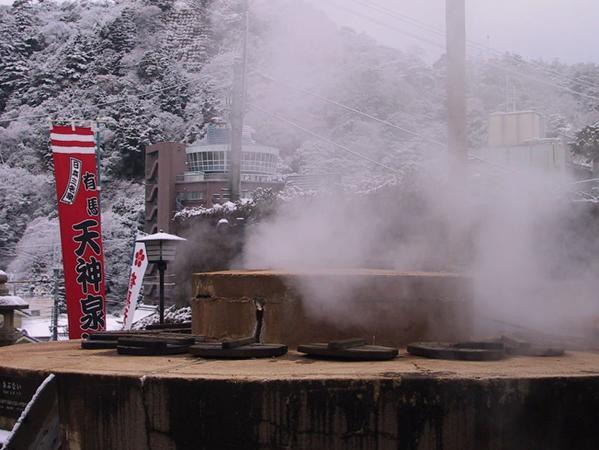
(78,195)
(138,270)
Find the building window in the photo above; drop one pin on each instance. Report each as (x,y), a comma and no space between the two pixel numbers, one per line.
(215,198)
(195,195)
(219,162)
(258,162)
(212,161)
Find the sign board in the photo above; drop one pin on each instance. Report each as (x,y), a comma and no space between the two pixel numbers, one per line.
(78,195)
(15,393)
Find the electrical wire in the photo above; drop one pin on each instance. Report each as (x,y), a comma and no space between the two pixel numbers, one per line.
(440,32)
(384,122)
(384,24)
(349,108)
(322,138)
(442,46)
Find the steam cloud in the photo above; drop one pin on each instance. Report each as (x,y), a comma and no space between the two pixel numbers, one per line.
(528,247)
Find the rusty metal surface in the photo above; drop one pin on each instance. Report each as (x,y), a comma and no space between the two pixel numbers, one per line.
(354,352)
(217,350)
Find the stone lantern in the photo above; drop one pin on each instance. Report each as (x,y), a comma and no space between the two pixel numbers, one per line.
(8,305)
(161,248)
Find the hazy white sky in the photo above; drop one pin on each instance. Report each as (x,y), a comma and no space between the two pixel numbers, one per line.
(548,29)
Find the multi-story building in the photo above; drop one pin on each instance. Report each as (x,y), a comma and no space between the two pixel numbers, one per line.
(179,176)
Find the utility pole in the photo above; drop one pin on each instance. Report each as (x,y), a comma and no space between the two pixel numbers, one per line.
(237,112)
(455,17)
(56,307)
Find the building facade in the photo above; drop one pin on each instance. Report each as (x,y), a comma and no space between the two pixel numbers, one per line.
(180,176)
(517,139)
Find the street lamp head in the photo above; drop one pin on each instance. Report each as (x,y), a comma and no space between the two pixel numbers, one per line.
(161,247)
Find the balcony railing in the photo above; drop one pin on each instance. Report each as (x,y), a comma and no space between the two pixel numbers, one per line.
(193,177)
(190,177)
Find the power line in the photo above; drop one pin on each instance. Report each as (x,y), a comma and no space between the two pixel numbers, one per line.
(403,17)
(542,81)
(436,44)
(322,138)
(351,109)
(404,32)
(475,44)
(384,122)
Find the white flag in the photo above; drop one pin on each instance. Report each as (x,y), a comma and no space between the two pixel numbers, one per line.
(138,269)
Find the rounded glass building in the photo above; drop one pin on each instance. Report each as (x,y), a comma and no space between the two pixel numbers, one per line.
(210,157)
(207,162)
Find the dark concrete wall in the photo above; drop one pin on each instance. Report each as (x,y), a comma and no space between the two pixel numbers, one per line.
(391,412)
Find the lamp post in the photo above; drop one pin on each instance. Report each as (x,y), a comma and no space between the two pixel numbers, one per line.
(161,247)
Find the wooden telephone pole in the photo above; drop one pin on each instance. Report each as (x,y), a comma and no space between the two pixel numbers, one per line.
(455,17)
(237,112)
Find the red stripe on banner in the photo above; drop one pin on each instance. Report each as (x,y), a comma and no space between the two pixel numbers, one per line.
(78,194)
(72,143)
(66,129)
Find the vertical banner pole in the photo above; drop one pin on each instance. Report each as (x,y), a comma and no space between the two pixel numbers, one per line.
(55,310)
(161,269)
(98,144)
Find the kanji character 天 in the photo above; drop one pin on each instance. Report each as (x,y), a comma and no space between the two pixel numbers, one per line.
(87,237)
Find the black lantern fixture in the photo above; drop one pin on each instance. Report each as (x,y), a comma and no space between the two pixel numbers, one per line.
(161,248)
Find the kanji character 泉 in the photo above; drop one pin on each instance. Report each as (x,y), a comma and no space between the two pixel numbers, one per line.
(89,273)
(92,308)
(87,237)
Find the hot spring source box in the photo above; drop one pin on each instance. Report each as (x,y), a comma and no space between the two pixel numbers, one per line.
(387,307)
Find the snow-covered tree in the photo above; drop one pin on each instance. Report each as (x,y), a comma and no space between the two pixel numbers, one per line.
(586,144)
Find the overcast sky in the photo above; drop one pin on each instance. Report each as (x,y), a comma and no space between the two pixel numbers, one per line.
(547,29)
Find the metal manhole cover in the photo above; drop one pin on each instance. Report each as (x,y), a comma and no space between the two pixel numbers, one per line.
(354,349)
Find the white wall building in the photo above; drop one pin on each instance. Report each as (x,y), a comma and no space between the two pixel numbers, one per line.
(518,139)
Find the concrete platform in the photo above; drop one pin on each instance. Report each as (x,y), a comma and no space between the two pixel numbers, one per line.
(108,401)
(392,308)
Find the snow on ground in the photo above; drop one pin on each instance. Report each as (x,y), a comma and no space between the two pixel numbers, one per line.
(172,314)
(39,326)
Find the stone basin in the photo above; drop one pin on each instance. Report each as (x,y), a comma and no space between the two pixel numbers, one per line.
(385,307)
